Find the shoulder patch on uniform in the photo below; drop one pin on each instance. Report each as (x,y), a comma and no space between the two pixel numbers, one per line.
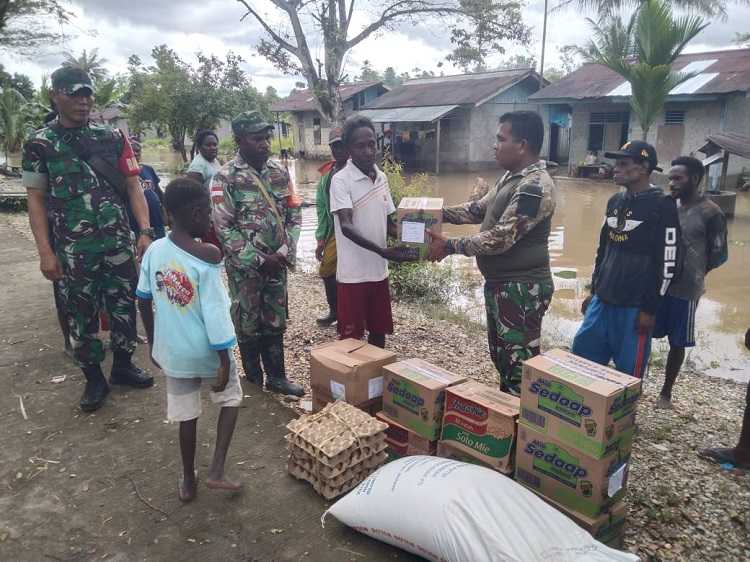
(530,197)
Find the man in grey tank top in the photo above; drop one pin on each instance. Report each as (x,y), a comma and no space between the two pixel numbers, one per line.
(511,246)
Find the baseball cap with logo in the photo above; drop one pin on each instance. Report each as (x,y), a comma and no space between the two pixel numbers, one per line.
(637,150)
(70,79)
(250,123)
(336,135)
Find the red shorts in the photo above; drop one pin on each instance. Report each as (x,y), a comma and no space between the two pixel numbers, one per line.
(363,306)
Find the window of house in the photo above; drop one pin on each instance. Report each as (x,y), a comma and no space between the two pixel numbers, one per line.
(316,131)
(596,137)
(674,117)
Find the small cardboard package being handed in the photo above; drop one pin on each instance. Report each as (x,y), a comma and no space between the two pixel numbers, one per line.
(416,217)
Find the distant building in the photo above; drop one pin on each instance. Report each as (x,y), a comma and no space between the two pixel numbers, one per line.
(308,129)
(593,103)
(449,122)
(112,115)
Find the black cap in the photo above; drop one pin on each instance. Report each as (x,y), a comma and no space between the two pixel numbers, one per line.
(70,79)
(637,150)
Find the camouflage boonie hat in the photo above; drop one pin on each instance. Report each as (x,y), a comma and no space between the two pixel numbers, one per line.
(249,123)
(69,80)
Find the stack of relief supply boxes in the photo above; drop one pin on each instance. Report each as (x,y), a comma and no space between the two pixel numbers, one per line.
(413,399)
(575,435)
(336,448)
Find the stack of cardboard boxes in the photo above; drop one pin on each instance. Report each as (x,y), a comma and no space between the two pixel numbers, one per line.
(575,436)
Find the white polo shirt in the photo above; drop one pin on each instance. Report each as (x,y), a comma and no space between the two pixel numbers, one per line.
(371,203)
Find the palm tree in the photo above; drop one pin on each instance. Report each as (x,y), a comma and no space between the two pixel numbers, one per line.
(91,62)
(12,121)
(643,51)
(711,8)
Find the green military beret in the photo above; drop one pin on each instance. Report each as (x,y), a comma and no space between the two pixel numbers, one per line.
(69,80)
(250,123)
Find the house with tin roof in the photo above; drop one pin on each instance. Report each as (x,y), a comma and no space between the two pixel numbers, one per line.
(449,123)
(591,106)
(310,129)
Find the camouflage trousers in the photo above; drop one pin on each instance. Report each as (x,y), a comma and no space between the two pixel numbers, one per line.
(94,281)
(514,326)
(258,303)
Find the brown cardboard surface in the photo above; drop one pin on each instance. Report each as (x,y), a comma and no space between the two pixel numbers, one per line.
(481,421)
(348,370)
(563,474)
(608,528)
(413,395)
(425,210)
(579,402)
(402,442)
(454,451)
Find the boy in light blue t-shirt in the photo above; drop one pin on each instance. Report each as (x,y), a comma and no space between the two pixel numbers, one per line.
(193,336)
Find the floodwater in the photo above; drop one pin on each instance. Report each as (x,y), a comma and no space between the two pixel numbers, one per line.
(723,314)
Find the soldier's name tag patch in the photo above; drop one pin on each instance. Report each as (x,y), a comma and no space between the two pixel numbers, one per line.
(217,194)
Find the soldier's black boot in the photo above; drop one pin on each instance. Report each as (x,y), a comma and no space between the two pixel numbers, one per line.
(250,354)
(330,285)
(124,372)
(96,388)
(272,351)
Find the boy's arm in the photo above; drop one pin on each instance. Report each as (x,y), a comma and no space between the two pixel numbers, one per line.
(716,241)
(222,375)
(219,328)
(665,260)
(147,317)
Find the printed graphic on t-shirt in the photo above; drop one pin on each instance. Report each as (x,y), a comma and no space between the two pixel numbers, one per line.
(176,286)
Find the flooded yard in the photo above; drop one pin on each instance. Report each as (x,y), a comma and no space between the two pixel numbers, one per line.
(723,314)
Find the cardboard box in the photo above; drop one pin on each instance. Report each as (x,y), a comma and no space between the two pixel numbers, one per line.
(413,395)
(348,370)
(579,402)
(414,217)
(481,421)
(402,442)
(560,472)
(607,528)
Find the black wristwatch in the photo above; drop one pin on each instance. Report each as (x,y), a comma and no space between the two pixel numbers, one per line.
(150,232)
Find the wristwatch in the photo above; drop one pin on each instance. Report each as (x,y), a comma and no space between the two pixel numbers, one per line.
(150,232)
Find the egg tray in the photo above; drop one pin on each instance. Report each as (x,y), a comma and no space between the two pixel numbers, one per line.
(309,463)
(330,489)
(334,434)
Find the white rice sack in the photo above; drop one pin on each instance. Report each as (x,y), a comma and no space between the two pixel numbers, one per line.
(450,511)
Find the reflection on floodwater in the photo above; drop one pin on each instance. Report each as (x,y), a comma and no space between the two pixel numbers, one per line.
(723,314)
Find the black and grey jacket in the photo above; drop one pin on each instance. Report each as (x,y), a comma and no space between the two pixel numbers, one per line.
(637,256)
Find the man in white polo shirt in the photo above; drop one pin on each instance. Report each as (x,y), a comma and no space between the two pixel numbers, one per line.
(361,204)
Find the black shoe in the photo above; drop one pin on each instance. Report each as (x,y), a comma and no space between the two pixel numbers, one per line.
(272,350)
(96,389)
(327,320)
(250,355)
(130,375)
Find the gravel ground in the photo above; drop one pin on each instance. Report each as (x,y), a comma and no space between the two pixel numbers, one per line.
(680,506)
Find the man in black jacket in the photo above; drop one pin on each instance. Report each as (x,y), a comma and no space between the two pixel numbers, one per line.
(635,262)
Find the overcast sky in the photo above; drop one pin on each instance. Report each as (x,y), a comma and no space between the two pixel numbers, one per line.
(125,27)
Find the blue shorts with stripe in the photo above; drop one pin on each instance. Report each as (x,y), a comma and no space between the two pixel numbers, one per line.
(675,319)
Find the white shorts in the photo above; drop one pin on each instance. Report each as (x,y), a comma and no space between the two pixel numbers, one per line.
(184,394)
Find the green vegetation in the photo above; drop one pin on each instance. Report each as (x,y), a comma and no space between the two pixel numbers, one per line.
(642,52)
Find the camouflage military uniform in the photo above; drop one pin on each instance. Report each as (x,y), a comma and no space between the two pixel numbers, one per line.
(91,233)
(249,230)
(512,254)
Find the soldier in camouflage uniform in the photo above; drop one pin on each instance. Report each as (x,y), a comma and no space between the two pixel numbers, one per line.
(511,246)
(257,218)
(93,254)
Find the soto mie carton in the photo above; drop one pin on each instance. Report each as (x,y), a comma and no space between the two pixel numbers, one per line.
(403,442)
(348,370)
(414,393)
(563,474)
(579,402)
(415,216)
(481,421)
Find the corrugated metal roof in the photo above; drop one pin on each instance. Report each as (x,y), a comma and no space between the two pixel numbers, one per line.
(303,100)
(462,89)
(721,72)
(408,114)
(734,143)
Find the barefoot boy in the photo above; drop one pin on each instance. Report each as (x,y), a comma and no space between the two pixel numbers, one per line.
(194,336)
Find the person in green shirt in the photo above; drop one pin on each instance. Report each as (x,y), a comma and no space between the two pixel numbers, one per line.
(324,234)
